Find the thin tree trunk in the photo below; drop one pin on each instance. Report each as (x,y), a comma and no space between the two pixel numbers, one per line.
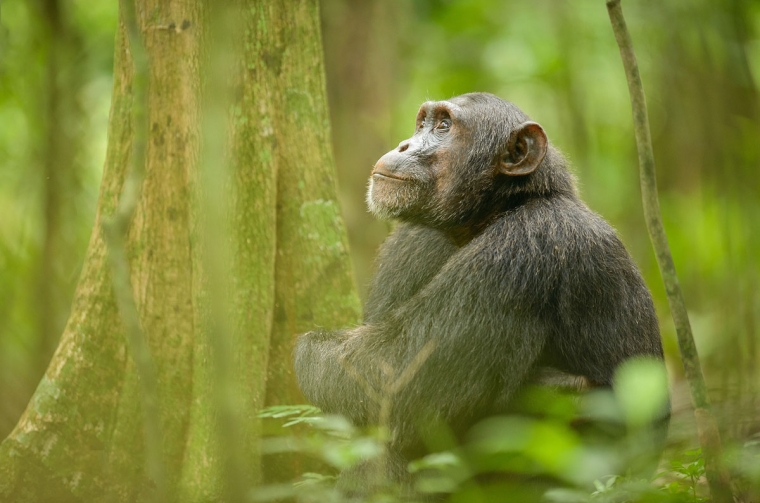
(707,427)
(364,75)
(82,436)
(63,118)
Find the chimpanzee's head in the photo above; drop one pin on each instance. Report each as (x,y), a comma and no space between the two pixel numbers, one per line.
(467,157)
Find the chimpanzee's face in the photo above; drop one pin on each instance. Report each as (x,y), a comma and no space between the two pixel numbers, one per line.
(406,181)
(455,160)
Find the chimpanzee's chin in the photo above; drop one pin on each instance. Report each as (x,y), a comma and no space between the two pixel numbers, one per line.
(391,199)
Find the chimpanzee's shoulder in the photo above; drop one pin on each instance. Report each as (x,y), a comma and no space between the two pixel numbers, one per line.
(551,225)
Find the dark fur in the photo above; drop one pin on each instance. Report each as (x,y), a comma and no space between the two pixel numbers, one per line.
(504,273)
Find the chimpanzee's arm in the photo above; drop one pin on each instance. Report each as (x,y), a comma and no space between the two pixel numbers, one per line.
(322,362)
(482,311)
(407,260)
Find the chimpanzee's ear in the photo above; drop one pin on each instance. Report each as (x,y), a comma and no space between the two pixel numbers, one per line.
(526,149)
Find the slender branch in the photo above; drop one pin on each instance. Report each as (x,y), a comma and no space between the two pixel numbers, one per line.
(411,370)
(361,380)
(58,167)
(392,386)
(706,424)
(115,230)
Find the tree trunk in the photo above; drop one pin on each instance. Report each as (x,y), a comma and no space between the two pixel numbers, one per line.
(81,437)
(364,74)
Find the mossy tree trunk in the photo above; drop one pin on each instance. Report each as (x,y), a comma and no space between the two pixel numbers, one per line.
(81,437)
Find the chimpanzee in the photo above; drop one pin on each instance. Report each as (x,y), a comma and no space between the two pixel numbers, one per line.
(497,269)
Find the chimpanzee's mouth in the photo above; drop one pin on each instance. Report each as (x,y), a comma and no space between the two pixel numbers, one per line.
(387,175)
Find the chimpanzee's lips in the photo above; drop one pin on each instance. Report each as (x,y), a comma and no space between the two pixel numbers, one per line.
(385,174)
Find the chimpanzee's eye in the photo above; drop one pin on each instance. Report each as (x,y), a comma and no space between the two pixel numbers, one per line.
(444,125)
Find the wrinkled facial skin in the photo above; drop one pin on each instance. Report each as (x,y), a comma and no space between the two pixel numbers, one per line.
(456,171)
(404,181)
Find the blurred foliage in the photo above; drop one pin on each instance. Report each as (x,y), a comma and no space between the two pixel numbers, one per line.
(556,59)
(541,453)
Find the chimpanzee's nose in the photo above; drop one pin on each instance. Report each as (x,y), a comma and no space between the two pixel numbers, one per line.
(403,146)
(389,164)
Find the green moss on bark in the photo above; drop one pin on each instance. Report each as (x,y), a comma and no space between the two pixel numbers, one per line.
(81,437)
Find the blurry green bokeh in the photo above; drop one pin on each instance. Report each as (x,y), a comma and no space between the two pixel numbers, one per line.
(556,59)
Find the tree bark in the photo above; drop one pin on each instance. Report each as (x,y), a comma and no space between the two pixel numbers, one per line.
(364,81)
(81,437)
